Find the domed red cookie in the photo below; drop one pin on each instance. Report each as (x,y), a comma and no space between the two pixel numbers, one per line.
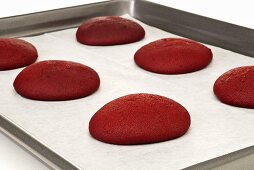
(139,119)
(16,53)
(55,80)
(109,30)
(236,87)
(173,56)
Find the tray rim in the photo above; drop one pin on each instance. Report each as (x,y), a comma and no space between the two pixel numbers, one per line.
(35,147)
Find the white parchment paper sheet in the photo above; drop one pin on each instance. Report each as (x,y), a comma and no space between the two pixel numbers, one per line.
(216,128)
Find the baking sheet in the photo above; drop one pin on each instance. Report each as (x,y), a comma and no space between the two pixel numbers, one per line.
(216,128)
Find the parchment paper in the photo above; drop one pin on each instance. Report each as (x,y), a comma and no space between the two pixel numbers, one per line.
(216,128)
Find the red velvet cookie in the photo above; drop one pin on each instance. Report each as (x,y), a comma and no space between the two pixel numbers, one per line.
(236,87)
(173,56)
(16,53)
(139,119)
(56,80)
(109,30)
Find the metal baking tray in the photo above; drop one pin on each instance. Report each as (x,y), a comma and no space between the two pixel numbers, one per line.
(199,28)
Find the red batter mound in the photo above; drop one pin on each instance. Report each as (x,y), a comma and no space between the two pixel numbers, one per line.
(173,56)
(109,30)
(56,80)
(16,53)
(236,87)
(139,119)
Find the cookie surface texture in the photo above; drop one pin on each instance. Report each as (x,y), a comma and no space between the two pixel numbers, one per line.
(139,119)
(16,53)
(236,87)
(109,30)
(56,80)
(173,56)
